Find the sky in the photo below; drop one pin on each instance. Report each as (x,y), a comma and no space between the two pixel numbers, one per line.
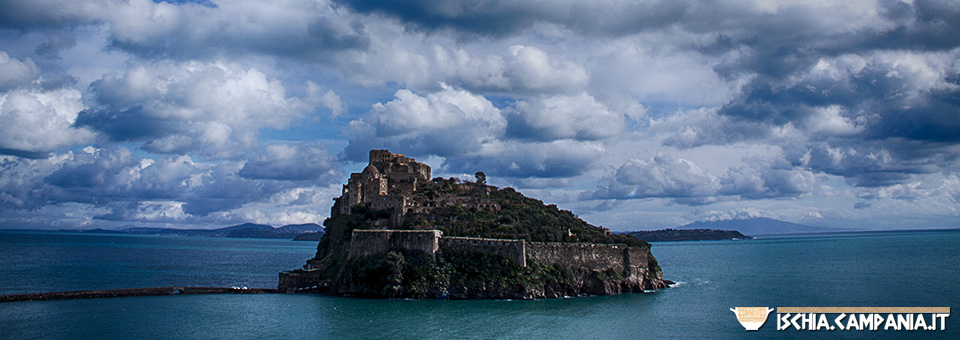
(632,114)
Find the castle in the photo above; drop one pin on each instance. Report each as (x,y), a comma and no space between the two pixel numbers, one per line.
(386,206)
(389,183)
(386,183)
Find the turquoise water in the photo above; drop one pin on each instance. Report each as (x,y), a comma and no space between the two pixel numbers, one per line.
(876,269)
(44,262)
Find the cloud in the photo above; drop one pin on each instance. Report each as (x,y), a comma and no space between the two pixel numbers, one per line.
(300,162)
(328,99)
(508,17)
(36,121)
(156,190)
(16,73)
(300,30)
(809,107)
(472,134)
(213,109)
(767,178)
(578,117)
(527,160)
(421,63)
(445,123)
(659,177)
(682,181)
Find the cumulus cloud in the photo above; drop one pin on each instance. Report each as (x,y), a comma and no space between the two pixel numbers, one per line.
(167,189)
(578,117)
(422,62)
(300,162)
(472,134)
(16,73)
(37,121)
(445,123)
(303,30)
(214,109)
(682,181)
(767,178)
(660,177)
(843,99)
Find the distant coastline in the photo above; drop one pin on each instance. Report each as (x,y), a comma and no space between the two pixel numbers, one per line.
(296,232)
(129,292)
(673,235)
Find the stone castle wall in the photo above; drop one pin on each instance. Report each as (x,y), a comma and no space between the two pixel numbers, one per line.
(511,249)
(593,256)
(369,242)
(580,255)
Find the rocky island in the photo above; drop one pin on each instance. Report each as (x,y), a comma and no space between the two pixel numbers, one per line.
(396,233)
(668,235)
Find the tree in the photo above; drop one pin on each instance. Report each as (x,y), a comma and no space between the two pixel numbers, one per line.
(481,177)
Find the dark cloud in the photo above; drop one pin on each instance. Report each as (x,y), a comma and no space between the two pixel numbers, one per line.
(204,39)
(25,14)
(682,181)
(127,187)
(879,163)
(875,120)
(522,160)
(55,42)
(300,162)
(500,18)
(199,29)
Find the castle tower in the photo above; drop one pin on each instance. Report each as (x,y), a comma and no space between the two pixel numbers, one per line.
(373,184)
(386,182)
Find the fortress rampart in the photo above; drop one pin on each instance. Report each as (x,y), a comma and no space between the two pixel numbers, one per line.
(369,242)
(593,256)
(511,249)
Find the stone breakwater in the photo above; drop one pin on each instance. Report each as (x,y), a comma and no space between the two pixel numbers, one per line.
(152,291)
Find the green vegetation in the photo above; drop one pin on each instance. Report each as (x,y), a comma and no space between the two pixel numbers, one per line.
(518,217)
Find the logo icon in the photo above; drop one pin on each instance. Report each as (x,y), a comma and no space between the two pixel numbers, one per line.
(751,318)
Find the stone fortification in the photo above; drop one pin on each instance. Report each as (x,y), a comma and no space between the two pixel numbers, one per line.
(511,249)
(592,256)
(384,184)
(369,242)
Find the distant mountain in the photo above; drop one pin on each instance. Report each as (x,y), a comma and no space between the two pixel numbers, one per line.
(286,232)
(311,236)
(686,235)
(246,230)
(247,226)
(303,228)
(759,226)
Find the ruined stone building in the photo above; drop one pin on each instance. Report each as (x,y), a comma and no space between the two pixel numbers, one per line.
(388,182)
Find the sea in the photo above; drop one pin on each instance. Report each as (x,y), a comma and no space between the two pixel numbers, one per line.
(863,269)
